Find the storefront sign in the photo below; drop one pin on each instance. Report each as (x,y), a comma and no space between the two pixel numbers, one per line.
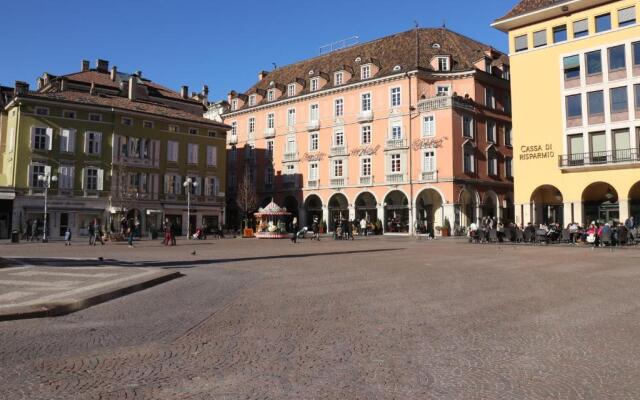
(314,156)
(428,143)
(365,151)
(536,152)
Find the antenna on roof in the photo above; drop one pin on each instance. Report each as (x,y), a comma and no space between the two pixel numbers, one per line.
(444,24)
(339,45)
(274,65)
(416,24)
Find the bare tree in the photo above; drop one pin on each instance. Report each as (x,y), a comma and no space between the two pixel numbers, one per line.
(246,196)
(124,195)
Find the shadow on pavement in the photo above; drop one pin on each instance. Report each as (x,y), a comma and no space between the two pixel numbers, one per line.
(96,262)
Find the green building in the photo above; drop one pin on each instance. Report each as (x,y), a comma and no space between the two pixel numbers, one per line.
(119,146)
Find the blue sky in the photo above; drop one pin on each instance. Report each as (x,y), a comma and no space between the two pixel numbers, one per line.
(220,43)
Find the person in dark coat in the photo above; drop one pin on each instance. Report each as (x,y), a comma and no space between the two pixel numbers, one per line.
(92,233)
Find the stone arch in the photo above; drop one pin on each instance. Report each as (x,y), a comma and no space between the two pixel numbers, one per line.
(338,207)
(547,204)
(600,203)
(366,207)
(429,210)
(396,212)
(312,209)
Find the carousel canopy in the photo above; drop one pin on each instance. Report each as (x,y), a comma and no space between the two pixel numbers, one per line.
(272,209)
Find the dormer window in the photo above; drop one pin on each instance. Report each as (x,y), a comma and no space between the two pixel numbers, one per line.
(291,89)
(271,95)
(315,84)
(338,78)
(234,104)
(252,100)
(443,64)
(365,72)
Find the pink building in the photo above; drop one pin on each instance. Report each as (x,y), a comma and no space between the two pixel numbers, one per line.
(410,129)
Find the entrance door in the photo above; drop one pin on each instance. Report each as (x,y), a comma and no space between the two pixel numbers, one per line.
(609,212)
(64,223)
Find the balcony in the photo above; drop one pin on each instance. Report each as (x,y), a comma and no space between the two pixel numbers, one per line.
(599,159)
(365,116)
(337,182)
(291,156)
(233,139)
(443,102)
(395,178)
(313,125)
(335,151)
(366,180)
(430,176)
(269,132)
(313,184)
(394,144)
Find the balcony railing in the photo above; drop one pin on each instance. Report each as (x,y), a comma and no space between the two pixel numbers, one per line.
(443,102)
(393,144)
(597,158)
(430,176)
(291,156)
(290,182)
(313,125)
(313,184)
(365,116)
(269,132)
(233,139)
(338,151)
(395,178)
(337,182)
(366,180)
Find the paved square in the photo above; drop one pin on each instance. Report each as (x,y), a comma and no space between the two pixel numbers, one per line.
(382,318)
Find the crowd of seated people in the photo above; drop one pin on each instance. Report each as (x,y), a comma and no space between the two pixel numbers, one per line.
(595,234)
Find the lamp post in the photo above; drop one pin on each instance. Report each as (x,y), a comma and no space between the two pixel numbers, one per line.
(46,183)
(188,184)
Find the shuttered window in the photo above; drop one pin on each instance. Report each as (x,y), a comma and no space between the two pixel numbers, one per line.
(627,16)
(521,43)
(580,28)
(540,38)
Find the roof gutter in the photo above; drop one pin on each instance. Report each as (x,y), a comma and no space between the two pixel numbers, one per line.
(555,10)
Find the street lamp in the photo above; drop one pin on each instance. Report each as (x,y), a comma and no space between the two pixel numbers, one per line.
(188,185)
(46,183)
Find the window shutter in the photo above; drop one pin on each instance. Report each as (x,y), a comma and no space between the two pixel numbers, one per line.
(166,184)
(83,184)
(64,140)
(33,137)
(98,143)
(626,15)
(49,144)
(29,173)
(216,186)
(71,177)
(143,183)
(178,184)
(71,143)
(86,143)
(100,179)
(581,26)
(155,180)
(156,153)
(521,43)
(539,38)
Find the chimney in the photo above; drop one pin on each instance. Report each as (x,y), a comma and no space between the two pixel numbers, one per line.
(139,73)
(184,92)
(102,65)
(85,65)
(21,88)
(205,95)
(262,75)
(132,87)
(114,73)
(92,90)
(40,83)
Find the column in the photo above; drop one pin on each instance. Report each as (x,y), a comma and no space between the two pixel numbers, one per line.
(412,220)
(623,205)
(302,217)
(527,217)
(577,213)
(478,213)
(380,208)
(352,212)
(566,211)
(325,215)
(449,212)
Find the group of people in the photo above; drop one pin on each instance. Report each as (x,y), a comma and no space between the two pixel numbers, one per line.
(609,233)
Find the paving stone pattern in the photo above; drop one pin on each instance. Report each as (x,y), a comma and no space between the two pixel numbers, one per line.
(370,319)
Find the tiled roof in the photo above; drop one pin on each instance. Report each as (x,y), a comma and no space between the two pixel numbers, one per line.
(526,6)
(386,53)
(104,79)
(123,103)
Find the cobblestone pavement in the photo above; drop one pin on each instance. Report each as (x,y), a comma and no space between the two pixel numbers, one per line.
(371,319)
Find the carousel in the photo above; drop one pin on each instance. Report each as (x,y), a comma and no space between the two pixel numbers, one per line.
(272,222)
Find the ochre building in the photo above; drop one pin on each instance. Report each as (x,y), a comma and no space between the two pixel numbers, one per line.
(576,103)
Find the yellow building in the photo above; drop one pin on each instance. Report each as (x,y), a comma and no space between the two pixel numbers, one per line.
(575,87)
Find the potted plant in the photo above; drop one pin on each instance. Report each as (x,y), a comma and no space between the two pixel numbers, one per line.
(323,227)
(438,230)
(378,227)
(446,229)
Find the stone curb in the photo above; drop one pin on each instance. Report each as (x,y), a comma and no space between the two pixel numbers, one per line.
(68,307)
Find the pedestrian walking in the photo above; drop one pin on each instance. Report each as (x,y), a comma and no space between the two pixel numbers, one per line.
(173,230)
(98,233)
(131,232)
(316,229)
(166,229)
(34,230)
(67,237)
(294,229)
(92,233)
